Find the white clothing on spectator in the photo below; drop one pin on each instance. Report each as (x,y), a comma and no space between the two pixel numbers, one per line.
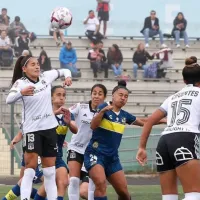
(91,24)
(4,42)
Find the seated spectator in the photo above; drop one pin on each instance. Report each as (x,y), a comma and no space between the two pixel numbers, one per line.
(103,8)
(92,28)
(115,59)
(4,18)
(152,28)
(22,43)
(15,28)
(44,61)
(179,30)
(140,58)
(56,33)
(68,58)
(6,52)
(97,60)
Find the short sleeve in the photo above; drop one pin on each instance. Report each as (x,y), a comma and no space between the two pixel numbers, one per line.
(75,109)
(164,106)
(130,119)
(101,106)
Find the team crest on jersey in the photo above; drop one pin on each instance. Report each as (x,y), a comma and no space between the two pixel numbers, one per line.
(110,116)
(43,82)
(30,146)
(123,120)
(95,145)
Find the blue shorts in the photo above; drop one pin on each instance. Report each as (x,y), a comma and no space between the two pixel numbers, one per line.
(111,164)
(60,163)
(38,172)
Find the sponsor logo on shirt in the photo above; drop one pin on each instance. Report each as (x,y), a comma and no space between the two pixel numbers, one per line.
(79,144)
(85,122)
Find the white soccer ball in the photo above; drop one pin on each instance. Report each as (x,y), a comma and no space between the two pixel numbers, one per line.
(61,18)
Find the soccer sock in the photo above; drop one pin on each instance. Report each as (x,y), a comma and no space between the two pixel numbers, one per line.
(60,198)
(91,189)
(13,193)
(192,196)
(27,182)
(38,197)
(73,189)
(33,193)
(170,197)
(50,182)
(100,198)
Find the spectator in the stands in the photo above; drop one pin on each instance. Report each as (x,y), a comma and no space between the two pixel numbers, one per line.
(103,8)
(6,52)
(4,18)
(179,30)
(22,42)
(26,53)
(115,59)
(15,28)
(44,61)
(140,57)
(92,28)
(152,28)
(57,33)
(68,58)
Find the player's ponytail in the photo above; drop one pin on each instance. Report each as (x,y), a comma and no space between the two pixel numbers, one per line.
(18,72)
(191,71)
(121,85)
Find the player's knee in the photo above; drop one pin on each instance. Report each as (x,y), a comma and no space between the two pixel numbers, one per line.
(101,185)
(62,183)
(83,193)
(49,171)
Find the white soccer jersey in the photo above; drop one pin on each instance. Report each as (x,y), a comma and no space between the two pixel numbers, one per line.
(83,114)
(183,111)
(37,112)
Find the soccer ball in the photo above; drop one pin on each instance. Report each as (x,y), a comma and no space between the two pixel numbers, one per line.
(61,18)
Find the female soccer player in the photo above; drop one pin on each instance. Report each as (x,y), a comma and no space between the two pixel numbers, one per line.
(101,156)
(83,113)
(15,191)
(177,153)
(65,120)
(39,123)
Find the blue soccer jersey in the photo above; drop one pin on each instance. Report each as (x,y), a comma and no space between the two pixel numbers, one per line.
(61,133)
(107,137)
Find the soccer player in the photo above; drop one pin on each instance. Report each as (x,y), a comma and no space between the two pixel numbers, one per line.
(83,113)
(38,120)
(15,191)
(177,153)
(65,120)
(101,156)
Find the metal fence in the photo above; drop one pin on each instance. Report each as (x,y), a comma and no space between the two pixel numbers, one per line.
(10,117)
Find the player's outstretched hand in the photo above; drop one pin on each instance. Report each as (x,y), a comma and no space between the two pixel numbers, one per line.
(28,91)
(107,108)
(141,156)
(60,111)
(68,81)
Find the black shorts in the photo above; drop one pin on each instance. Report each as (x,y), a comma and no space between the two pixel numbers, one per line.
(103,16)
(176,149)
(84,177)
(57,33)
(44,143)
(75,156)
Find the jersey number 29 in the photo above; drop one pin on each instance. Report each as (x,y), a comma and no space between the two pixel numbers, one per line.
(177,109)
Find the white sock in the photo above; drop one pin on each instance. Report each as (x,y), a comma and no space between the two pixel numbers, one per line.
(26,184)
(50,182)
(170,197)
(73,189)
(91,189)
(192,196)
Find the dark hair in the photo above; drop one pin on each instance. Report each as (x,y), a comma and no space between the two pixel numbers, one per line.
(191,60)
(100,86)
(153,11)
(17,19)
(18,73)
(121,85)
(53,89)
(4,9)
(90,11)
(116,47)
(191,72)
(180,13)
(43,53)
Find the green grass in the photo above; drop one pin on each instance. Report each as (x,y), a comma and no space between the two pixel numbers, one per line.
(137,192)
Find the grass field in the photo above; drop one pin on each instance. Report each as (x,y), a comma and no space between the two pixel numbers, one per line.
(137,192)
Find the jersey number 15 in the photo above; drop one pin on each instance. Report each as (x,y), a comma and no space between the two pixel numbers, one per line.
(177,109)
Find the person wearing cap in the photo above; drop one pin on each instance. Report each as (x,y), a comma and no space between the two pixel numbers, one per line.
(68,58)
(15,28)
(22,42)
(4,18)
